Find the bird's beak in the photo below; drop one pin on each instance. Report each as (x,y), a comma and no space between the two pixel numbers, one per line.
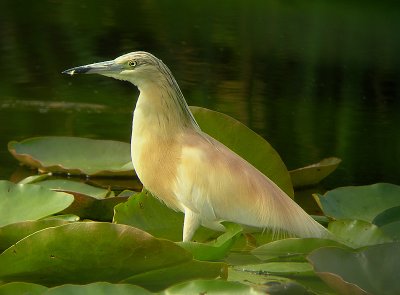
(102,68)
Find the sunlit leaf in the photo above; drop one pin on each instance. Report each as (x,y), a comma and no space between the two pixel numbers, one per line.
(245,143)
(23,202)
(74,155)
(22,288)
(294,249)
(312,174)
(358,233)
(85,252)
(97,288)
(359,202)
(371,270)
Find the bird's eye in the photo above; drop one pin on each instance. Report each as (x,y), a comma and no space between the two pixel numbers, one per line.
(132,63)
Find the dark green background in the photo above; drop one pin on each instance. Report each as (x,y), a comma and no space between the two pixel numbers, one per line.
(315,78)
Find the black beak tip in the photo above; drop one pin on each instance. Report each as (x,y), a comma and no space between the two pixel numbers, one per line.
(77,70)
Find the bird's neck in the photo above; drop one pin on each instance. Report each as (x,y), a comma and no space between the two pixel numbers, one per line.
(162,110)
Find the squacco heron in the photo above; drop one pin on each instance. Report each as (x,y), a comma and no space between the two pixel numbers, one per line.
(189,170)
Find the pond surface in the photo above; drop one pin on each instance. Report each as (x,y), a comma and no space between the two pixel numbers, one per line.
(315,79)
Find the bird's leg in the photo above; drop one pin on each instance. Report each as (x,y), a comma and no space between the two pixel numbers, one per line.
(190,224)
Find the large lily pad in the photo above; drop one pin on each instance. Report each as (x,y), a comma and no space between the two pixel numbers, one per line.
(246,143)
(12,233)
(23,202)
(212,287)
(74,155)
(359,202)
(97,288)
(373,270)
(313,174)
(81,253)
(22,288)
(293,249)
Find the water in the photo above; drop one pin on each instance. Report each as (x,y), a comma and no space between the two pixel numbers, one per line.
(315,79)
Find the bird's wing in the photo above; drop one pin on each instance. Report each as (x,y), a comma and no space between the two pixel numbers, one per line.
(217,184)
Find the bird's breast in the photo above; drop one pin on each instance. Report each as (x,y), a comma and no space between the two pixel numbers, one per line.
(155,157)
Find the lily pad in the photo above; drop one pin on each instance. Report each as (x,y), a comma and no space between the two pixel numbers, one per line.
(387,216)
(246,143)
(271,284)
(147,213)
(97,288)
(12,233)
(74,155)
(392,230)
(22,288)
(373,270)
(359,202)
(89,202)
(358,233)
(212,287)
(293,249)
(216,249)
(86,252)
(23,202)
(313,174)
(159,279)
(76,187)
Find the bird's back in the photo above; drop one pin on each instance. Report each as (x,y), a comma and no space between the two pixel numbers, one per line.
(218,184)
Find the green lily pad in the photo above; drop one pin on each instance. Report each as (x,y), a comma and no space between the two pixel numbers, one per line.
(392,230)
(246,143)
(159,279)
(358,233)
(313,174)
(76,187)
(271,284)
(389,222)
(12,233)
(212,287)
(22,288)
(387,216)
(74,155)
(86,252)
(372,270)
(97,288)
(216,249)
(23,202)
(89,202)
(359,202)
(147,213)
(293,249)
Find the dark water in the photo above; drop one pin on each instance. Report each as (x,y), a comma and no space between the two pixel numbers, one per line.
(315,78)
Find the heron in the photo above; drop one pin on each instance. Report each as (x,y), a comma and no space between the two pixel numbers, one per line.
(190,171)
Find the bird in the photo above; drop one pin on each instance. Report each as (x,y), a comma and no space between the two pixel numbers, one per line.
(190,171)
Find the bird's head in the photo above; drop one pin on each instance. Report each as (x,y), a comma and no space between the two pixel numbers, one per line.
(136,67)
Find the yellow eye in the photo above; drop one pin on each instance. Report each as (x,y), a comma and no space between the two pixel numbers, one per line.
(132,63)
